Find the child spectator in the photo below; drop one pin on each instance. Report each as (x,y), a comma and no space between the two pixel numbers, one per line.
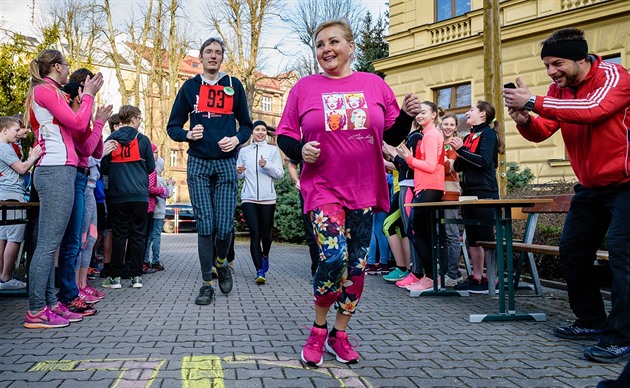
(451,251)
(428,166)
(12,189)
(154,193)
(128,168)
(477,159)
(90,232)
(155,234)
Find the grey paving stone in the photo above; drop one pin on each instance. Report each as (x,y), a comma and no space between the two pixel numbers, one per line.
(255,335)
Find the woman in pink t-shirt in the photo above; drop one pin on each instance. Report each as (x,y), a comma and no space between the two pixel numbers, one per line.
(342,180)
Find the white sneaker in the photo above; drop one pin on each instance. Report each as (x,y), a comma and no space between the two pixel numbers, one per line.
(448,282)
(13,284)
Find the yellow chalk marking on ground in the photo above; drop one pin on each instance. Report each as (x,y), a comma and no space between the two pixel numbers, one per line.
(202,372)
(128,368)
(66,365)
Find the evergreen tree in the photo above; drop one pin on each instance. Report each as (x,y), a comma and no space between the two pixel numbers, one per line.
(15,56)
(371,44)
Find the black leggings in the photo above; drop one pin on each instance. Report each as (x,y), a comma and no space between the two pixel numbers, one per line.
(259,220)
(421,234)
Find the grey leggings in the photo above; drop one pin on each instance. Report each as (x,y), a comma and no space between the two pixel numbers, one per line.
(55,185)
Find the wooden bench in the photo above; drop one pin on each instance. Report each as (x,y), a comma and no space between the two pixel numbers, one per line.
(527,248)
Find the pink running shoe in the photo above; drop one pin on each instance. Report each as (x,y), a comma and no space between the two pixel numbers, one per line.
(87,298)
(94,292)
(313,352)
(410,279)
(339,345)
(423,284)
(44,319)
(63,312)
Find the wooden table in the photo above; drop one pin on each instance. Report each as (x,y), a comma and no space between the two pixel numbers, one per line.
(6,209)
(503,224)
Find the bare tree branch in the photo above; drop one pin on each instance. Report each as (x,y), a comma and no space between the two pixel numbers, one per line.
(308,14)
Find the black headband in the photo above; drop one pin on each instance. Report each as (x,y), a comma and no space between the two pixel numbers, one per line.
(568,49)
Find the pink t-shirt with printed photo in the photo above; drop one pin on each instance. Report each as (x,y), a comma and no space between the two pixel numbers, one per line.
(347,117)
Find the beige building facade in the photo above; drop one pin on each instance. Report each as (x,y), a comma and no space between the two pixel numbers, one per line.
(436,51)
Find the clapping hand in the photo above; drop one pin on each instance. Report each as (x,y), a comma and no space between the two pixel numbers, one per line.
(109,147)
(103,113)
(403,151)
(411,105)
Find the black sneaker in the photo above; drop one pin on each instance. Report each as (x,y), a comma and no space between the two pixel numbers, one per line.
(471,281)
(607,353)
(78,306)
(225,279)
(576,332)
(157,266)
(206,295)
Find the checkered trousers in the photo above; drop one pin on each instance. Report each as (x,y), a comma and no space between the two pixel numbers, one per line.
(212,186)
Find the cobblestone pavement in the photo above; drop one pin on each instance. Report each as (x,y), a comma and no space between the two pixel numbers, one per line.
(156,336)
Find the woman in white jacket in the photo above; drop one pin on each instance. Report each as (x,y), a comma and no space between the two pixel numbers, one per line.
(259,164)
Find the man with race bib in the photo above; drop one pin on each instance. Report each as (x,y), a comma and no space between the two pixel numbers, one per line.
(213,102)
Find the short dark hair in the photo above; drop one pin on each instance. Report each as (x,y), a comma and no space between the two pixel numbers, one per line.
(6,121)
(128,112)
(20,118)
(209,41)
(72,89)
(80,75)
(567,43)
(564,34)
(113,121)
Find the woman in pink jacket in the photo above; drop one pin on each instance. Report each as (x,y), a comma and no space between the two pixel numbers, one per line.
(428,166)
(55,123)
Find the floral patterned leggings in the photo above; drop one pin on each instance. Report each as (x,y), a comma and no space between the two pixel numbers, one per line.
(343,239)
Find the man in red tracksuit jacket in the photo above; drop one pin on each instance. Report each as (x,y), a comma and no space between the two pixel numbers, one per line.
(589,102)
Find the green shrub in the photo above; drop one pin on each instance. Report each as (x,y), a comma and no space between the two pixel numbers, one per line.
(517,179)
(288,224)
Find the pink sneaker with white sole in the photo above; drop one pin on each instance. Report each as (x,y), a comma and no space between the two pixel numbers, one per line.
(313,352)
(339,345)
(422,285)
(408,280)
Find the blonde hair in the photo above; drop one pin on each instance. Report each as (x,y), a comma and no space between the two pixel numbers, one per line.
(41,67)
(342,23)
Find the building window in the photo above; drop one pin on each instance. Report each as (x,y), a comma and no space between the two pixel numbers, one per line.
(266,104)
(173,158)
(446,9)
(613,58)
(455,99)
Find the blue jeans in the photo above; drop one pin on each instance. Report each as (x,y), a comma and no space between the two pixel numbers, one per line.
(451,251)
(154,242)
(378,239)
(71,244)
(594,212)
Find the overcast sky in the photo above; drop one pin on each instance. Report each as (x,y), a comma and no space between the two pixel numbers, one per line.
(16,16)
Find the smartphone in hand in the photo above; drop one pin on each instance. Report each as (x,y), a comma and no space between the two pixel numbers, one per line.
(510,85)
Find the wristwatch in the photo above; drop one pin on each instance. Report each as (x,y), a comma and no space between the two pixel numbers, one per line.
(529,105)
